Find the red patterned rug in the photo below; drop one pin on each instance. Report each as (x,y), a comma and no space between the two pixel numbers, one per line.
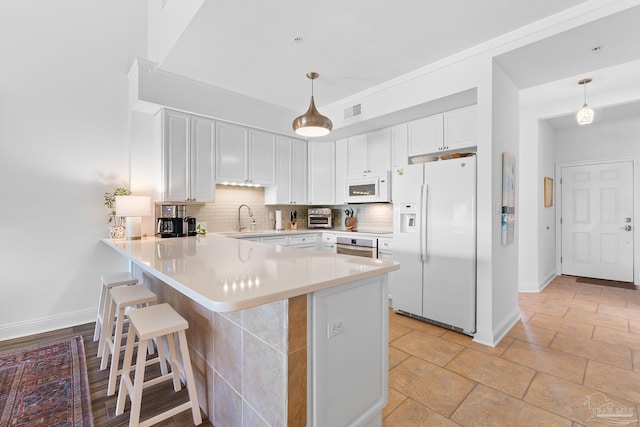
(45,386)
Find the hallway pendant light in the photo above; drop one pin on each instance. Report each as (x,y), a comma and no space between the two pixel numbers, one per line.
(312,123)
(585,114)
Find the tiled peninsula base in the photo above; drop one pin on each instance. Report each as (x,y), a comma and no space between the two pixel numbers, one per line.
(250,365)
(312,360)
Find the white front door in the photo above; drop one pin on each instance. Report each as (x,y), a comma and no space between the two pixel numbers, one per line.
(597,221)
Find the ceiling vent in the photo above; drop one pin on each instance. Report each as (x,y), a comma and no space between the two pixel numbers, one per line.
(353,111)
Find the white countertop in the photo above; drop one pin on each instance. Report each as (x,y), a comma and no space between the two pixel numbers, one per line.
(226,274)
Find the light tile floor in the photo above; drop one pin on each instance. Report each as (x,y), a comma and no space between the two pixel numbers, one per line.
(576,348)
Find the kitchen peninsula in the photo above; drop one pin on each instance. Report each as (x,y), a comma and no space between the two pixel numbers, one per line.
(278,336)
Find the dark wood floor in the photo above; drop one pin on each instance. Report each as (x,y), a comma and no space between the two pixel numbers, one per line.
(155,399)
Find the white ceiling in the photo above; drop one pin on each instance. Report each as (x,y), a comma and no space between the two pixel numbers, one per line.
(570,53)
(248,46)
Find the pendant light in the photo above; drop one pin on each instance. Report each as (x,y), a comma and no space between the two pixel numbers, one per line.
(312,123)
(585,114)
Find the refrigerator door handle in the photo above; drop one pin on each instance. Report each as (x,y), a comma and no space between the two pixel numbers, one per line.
(424,192)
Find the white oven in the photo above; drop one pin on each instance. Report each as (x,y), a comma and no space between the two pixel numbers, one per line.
(369,189)
(359,246)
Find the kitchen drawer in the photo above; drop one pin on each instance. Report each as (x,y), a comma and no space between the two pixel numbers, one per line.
(385,244)
(328,238)
(276,240)
(305,239)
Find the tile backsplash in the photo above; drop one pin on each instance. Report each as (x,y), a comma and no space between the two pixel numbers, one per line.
(223,214)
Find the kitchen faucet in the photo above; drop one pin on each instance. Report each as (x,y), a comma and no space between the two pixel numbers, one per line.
(240,227)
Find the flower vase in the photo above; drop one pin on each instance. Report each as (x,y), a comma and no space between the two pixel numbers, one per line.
(116,232)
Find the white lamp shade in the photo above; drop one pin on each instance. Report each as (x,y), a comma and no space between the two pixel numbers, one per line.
(133,206)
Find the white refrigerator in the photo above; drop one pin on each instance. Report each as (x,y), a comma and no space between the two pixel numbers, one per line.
(434,240)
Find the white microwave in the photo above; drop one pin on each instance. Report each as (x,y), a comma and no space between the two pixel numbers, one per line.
(369,189)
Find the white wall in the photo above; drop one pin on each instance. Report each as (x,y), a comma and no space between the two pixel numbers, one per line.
(546,226)
(63,143)
(612,140)
(504,258)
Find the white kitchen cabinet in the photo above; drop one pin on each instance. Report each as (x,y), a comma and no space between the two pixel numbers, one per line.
(453,130)
(369,154)
(461,128)
(399,155)
(244,156)
(202,187)
(425,135)
(188,150)
(261,158)
(275,240)
(231,153)
(357,155)
(379,151)
(304,241)
(322,173)
(328,243)
(341,171)
(291,173)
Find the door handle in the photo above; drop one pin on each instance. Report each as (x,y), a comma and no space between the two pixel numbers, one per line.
(626,227)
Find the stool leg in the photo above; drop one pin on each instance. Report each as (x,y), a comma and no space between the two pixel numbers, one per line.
(150,346)
(126,369)
(100,315)
(115,357)
(175,371)
(191,385)
(107,326)
(138,385)
(162,357)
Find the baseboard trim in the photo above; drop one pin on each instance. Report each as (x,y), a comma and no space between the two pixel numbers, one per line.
(530,286)
(492,338)
(47,324)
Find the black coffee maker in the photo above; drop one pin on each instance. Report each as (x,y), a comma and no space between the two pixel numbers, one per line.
(171,220)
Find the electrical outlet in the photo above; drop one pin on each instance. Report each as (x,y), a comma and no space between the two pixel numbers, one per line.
(335,328)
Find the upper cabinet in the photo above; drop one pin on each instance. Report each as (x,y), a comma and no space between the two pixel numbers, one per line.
(291,173)
(261,158)
(449,131)
(341,171)
(369,154)
(322,173)
(244,156)
(461,128)
(399,155)
(188,147)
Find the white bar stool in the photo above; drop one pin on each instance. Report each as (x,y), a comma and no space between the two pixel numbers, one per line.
(149,323)
(109,281)
(121,299)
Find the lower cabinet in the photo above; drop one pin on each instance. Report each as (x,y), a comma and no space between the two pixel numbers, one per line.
(328,243)
(304,241)
(300,241)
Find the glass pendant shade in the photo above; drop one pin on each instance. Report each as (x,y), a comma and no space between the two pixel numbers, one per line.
(312,123)
(585,114)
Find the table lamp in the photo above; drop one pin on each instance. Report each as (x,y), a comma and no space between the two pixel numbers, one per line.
(133,208)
